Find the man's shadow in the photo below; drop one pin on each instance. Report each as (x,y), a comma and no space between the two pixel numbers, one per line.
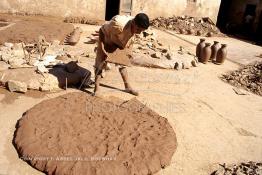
(72,75)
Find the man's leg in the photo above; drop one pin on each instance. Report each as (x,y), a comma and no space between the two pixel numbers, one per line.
(99,66)
(98,78)
(124,75)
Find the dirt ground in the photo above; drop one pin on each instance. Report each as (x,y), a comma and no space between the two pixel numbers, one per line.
(28,28)
(212,123)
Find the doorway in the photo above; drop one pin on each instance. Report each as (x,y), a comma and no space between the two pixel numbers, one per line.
(248,20)
(112,9)
(259,31)
(223,14)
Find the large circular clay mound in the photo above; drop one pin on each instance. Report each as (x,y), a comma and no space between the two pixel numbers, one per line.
(80,134)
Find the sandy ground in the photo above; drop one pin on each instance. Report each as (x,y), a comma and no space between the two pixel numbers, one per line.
(213,124)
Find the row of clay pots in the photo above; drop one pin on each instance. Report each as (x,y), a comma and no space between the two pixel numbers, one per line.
(205,52)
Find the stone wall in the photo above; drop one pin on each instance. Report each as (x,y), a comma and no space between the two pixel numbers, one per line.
(95,9)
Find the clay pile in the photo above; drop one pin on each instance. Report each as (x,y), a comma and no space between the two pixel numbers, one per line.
(249,78)
(27,28)
(188,25)
(153,53)
(250,168)
(83,134)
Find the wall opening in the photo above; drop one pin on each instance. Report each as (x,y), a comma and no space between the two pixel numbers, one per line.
(259,30)
(223,14)
(248,20)
(112,9)
(239,19)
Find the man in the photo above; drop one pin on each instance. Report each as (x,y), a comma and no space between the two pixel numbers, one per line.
(117,34)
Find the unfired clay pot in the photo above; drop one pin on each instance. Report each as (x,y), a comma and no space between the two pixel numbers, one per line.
(75,36)
(221,54)
(199,47)
(205,53)
(214,49)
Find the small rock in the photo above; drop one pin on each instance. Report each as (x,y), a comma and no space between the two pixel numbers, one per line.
(41,69)
(156,55)
(16,62)
(210,34)
(199,33)
(178,66)
(10,45)
(18,53)
(190,31)
(193,63)
(45,88)
(33,84)
(160,44)
(164,51)
(55,42)
(108,66)
(18,46)
(182,31)
(5,57)
(3,66)
(17,86)
(169,56)
(186,65)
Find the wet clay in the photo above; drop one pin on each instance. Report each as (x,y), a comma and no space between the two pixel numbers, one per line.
(80,134)
(28,28)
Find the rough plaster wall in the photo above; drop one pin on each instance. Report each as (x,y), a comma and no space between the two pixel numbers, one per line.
(94,9)
(167,8)
(207,8)
(156,8)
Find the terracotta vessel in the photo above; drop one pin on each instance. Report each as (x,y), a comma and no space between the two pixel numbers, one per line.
(200,47)
(214,48)
(205,53)
(221,54)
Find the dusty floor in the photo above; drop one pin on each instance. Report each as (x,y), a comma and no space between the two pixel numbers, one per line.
(213,124)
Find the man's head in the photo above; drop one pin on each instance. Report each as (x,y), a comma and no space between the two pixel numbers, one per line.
(140,23)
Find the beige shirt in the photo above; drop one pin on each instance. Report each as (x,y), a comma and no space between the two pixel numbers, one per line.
(118,31)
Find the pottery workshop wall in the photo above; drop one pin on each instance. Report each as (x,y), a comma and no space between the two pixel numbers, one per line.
(95,9)
(166,8)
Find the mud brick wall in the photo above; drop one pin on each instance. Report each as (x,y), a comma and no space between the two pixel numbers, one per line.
(95,9)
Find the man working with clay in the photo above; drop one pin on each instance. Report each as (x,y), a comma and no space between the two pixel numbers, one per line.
(115,35)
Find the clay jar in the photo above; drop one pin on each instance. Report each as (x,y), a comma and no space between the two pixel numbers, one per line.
(200,47)
(205,53)
(221,54)
(214,49)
